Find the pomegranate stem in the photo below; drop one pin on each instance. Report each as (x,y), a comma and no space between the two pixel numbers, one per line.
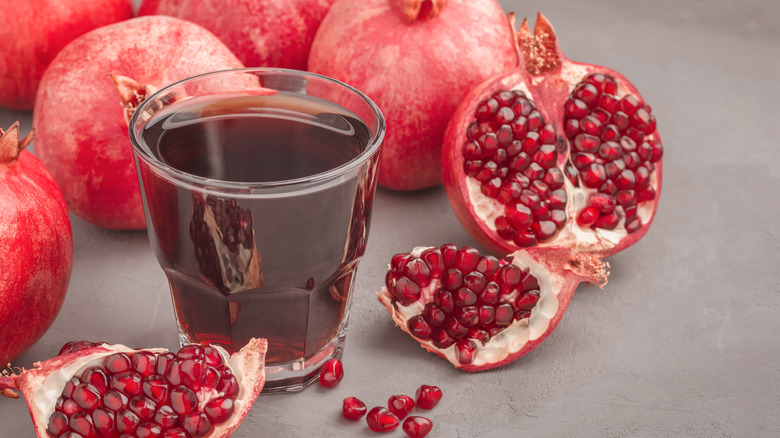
(412,8)
(540,49)
(11,146)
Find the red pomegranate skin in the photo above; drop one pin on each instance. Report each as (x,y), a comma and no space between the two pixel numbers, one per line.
(37,251)
(83,137)
(262,33)
(416,72)
(32,32)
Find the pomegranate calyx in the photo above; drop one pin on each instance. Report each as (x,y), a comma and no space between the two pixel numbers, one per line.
(541,52)
(132,93)
(11,146)
(412,8)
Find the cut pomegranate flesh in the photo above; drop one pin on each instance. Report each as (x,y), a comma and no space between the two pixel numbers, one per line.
(428,396)
(331,373)
(480,312)
(379,419)
(353,408)
(417,427)
(115,391)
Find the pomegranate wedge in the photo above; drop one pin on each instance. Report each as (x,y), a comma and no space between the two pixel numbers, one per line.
(102,390)
(480,312)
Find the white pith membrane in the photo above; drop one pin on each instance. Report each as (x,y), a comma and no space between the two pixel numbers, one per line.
(42,389)
(247,261)
(510,340)
(585,239)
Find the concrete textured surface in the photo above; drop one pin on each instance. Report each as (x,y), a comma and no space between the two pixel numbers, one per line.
(682,342)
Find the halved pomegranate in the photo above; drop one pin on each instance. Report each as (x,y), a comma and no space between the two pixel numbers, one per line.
(102,390)
(558,153)
(481,312)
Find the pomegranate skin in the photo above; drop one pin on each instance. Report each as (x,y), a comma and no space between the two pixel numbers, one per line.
(29,44)
(548,77)
(417,72)
(37,247)
(83,138)
(262,33)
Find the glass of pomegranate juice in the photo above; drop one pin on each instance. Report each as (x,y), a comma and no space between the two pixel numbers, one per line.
(257,187)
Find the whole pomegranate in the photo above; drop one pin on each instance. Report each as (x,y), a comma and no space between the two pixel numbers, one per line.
(36,243)
(87,94)
(102,390)
(558,153)
(480,312)
(417,60)
(32,32)
(262,33)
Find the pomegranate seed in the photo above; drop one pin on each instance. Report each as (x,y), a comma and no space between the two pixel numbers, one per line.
(103,420)
(70,386)
(58,423)
(487,266)
(163,361)
(420,328)
(379,419)
(428,396)
(156,387)
(486,314)
(175,433)
(142,406)
(87,396)
(197,424)
(466,259)
(405,290)
(504,315)
(634,225)
(474,281)
(129,383)
(417,271)
(228,385)
(528,300)
(509,276)
(353,409)
(166,417)
(183,400)
(172,373)
(489,294)
(114,400)
(148,430)
(117,363)
(400,405)
(81,422)
(602,202)
(433,315)
(95,377)
(607,221)
(442,339)
(219,409)
(444,300)
(434,259)
(144,363)
(417,427)
(466,349)
(594,175)
(521,218)
(332,372)
(70,407)
(454,328)
(467,315)
(486,110)
(452,279)
(192,351)
(647,194)
(212,356)
(126,421)
(629,104)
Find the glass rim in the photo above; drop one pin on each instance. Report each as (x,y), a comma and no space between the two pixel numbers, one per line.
(169,172)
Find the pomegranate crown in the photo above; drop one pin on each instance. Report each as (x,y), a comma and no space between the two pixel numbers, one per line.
(540,49)
(412,8)
(11,146)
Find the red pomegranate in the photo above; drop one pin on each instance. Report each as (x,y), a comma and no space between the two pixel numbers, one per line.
(32,32)
(36,243)
(112,390)
(558,153)
(417,60)
(262,33)
(82,107)
(480,312)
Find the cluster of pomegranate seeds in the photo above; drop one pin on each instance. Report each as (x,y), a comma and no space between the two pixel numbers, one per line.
(386,419)
(235,228)
(474,297)
(332,372)
(143,394)
(610,151)
(513,154)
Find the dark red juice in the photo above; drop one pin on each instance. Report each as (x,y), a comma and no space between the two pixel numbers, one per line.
(240,266)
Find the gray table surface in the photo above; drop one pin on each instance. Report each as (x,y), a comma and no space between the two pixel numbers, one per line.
(683,341)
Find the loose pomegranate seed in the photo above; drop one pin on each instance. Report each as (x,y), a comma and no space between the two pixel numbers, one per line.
(417,427)
(428,396)
(379,419)
(353,409)
(332,372)
(400,405)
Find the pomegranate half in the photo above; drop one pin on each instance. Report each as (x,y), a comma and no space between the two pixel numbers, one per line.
(87,93)
(102,390)
(417,59)
(36,245)
(481,312)
(558,153)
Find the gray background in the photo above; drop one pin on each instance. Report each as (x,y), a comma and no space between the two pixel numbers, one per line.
(683,341)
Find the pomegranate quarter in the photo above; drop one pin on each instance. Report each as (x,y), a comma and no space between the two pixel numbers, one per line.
(558,153)
(102,390)
(480,312)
